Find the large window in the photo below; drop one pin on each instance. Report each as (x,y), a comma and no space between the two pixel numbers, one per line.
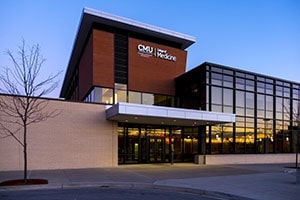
(100,95)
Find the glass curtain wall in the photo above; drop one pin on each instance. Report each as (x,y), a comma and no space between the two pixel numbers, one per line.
(267,112)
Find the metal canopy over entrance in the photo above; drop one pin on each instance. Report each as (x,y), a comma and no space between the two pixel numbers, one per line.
(148,134)
(159,115)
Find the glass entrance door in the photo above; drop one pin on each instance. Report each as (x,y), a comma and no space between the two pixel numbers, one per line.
(156,149)
(154,144)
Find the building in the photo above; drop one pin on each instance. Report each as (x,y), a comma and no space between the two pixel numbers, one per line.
(131,65)
(266,109)
(128,99)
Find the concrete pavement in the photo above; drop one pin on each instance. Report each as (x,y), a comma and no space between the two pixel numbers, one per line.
(269,181)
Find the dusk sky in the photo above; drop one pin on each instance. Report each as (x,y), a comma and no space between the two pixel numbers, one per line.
(261,36)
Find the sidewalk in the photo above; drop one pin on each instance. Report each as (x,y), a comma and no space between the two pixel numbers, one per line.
(251,181)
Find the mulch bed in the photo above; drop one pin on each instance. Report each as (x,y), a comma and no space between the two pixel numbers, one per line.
(19,182)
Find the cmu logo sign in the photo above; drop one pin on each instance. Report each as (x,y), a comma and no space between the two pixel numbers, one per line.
(148,51)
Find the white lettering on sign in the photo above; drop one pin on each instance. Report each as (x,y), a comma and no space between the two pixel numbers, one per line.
(148,51)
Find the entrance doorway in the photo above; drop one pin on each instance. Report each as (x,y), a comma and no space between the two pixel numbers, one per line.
(156,149)
(154,144)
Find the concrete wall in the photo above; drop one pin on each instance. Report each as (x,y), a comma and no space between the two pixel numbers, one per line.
(80,137)
(245,159)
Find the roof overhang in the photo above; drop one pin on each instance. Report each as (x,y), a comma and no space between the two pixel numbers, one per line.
(159,115)
(91,16)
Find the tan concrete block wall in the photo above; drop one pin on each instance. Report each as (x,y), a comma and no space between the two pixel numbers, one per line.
(80,137)
(245,159)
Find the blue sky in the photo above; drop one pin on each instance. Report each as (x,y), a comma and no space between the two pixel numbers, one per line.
(261,36)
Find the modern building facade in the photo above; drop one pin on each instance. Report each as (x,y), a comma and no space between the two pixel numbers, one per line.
(267,109)
(127,98)
(131,65)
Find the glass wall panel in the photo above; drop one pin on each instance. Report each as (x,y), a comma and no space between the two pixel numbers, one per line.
(228,97)
(190,143)
(250,85)
(286,92)
(227,81)
(269,103)
(240,139)
(279,90)
(250,100)
(120,92)
(216,108)
(240,98)
(216,79)
(147,99)
(134,97)
(216,95)
(261,87)
(269,89)
(222,139)
(261,101)
(240,83)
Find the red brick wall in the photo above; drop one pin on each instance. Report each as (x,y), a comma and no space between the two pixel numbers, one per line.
(152,74)
(86,69)
(103,54)
(96,65)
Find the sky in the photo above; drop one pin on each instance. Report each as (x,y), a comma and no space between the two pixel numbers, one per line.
(261,36)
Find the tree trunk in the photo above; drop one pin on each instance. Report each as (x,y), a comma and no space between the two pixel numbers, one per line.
(25,154)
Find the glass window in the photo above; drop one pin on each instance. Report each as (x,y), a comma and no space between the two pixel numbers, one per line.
(216,69)
(279,83)
(250,100)
(269,88)
(240,98)
(249,122)
(296,94)
(240,74)
(269,102)
(107,95)
(279,90)
(101,95)
(227,109)
(250,76)
(228,97)
(261,101)
(261,87)
(250,112)
(135,97)
(120,92)
(228,81)
(261,113)
(225,71)
(216,108)
(147,99)
(216,94)
(250,85)
(216,79)
(262,79)
(279,104)
(296,107)
(279,115)
(240,111)
(240,83)
(286,92)
(120,96)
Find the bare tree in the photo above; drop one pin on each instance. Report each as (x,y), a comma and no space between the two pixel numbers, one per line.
(23,86)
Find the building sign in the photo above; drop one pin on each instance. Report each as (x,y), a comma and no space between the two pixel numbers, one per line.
(148,51)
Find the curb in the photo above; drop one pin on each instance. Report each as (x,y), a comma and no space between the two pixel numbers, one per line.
(126,185)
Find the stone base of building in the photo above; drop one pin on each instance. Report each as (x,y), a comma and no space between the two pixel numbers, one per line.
(244,159)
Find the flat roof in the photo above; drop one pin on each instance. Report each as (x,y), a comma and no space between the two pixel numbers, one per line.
(159,115)
(91,16)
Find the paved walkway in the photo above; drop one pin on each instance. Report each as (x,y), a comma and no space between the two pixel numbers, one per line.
(275,181)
